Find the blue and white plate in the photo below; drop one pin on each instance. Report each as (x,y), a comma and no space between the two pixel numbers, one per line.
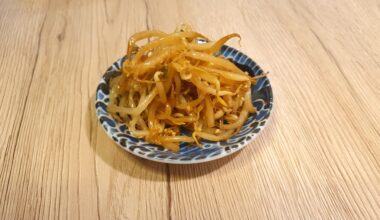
(262,99)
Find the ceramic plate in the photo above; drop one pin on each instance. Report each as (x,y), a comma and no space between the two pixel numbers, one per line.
(262,99)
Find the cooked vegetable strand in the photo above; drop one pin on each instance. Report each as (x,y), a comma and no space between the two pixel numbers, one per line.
(173,82)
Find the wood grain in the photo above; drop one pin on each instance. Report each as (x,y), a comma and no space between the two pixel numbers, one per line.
(319,157)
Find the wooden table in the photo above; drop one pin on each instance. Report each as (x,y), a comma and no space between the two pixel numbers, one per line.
(319,157)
